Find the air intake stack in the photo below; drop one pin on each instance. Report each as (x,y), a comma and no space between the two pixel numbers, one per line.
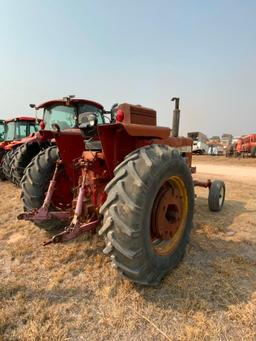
(176,117)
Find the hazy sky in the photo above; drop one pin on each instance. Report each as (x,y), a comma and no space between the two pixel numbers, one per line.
(142,52)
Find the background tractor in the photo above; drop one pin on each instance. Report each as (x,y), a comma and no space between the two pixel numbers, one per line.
(69,143)
(2,130)
(14,131)
(134,180)
(59,114)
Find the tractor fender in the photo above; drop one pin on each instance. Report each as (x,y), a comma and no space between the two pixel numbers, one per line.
(29,139)
(120,139)
(11,145)
(3,144)
(53,134)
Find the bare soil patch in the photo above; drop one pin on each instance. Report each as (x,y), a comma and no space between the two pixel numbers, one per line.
(223,160)
(71,292)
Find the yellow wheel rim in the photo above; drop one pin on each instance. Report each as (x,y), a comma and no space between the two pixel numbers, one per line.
(169,216)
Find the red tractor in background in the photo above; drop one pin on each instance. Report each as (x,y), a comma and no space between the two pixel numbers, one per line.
(57,114)
(246,145)
(15,131)
(39,172)
(134,179)
(2,130)
(2,137)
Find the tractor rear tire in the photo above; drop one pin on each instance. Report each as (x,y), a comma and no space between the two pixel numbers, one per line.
(2,176)
(21,159)
(216,195)
(6,163)
(253,153)
(35,182)
(130,210)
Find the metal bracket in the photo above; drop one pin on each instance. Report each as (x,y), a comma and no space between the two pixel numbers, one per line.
(71,232)
(205,184)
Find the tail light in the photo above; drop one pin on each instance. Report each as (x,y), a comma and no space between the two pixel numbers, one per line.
(119,116)
(42,125)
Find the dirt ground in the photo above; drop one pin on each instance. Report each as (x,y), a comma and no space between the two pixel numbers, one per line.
(71,292)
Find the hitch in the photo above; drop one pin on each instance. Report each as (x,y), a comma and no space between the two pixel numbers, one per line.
(42,214)
(71,232)
(75,228)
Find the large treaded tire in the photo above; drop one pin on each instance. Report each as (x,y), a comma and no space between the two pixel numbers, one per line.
(36,178)
(253,153)
(6,163)
(21,159)
(35,183)
(127,213)
(2,176)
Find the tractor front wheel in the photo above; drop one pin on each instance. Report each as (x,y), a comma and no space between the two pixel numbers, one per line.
(216,195)
(148,213)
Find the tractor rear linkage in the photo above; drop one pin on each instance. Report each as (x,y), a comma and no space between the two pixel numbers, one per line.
(86,189)
(75,228)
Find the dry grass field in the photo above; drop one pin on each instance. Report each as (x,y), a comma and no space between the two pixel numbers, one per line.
(71,292)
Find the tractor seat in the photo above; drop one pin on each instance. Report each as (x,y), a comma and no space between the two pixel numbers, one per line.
(93,145)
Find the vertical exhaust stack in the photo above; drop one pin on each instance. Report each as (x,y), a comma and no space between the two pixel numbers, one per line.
(176,117)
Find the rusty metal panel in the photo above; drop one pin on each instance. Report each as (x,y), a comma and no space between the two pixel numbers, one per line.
(136,114)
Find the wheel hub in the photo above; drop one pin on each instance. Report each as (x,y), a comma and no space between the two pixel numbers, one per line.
(167,212)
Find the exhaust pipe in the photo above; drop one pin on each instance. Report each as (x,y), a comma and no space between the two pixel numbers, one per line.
(176,117)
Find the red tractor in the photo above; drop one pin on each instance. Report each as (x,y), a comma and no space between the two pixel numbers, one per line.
(2,137)
(246,145)
(15,130)
(134,180)
(57,114)
(2,130)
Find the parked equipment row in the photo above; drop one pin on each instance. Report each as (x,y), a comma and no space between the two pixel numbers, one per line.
(115,172)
